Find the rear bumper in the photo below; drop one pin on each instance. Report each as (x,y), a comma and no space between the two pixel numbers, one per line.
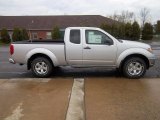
(12,61)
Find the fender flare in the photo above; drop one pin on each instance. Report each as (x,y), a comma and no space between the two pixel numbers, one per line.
(42,51)
(131,51)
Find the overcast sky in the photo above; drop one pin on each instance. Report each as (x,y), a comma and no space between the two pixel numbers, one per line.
(78,7)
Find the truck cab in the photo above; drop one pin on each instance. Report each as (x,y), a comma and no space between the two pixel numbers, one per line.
(90,47)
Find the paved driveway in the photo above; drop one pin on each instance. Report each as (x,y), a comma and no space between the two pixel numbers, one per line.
(34,99)
(100,98)
(122,99)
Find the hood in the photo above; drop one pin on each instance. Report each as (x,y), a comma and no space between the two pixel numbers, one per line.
(134,44)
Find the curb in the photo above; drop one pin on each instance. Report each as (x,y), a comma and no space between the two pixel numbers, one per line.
(76,104)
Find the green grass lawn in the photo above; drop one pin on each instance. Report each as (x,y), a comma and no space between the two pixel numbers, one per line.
(3,44)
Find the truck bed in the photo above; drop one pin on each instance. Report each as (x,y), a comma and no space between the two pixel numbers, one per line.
(47,41)
(22,49)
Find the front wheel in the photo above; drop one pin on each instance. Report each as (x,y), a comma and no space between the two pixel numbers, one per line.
(41,67)
(134,67)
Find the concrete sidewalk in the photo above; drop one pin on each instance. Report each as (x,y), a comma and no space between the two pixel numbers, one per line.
(122,99)
(34,99)
(91,98)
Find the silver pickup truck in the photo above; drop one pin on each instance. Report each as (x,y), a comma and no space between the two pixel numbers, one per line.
(83,47)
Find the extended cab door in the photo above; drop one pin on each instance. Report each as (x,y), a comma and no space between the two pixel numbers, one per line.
(98,49)
(74,47)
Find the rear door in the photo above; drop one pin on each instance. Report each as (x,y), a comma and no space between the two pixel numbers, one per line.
(74,47)
(98,49)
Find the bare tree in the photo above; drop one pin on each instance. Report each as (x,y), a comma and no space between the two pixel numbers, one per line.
(114,16)
(144,15)
(124,17)
(127,16)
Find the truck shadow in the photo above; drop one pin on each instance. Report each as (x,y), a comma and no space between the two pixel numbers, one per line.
(84,72)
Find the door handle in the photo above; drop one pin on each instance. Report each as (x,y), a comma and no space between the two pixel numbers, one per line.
(87,47)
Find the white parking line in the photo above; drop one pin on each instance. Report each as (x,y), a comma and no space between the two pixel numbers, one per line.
(12,72)
(76,104)
(16,114)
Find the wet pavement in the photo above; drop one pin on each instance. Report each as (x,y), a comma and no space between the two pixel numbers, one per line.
(8,70)
(122,99)
(34,99)
(108,96)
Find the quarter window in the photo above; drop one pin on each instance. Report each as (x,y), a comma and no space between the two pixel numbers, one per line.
(75,36)
(97,37)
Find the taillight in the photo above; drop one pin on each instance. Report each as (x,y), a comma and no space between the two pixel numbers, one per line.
(11,49)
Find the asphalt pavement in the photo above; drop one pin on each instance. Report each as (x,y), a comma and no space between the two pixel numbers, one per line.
(8,70)
(99,94)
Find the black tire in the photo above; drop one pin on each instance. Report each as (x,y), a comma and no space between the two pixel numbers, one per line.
(41,67)
(119,72)
(134,68)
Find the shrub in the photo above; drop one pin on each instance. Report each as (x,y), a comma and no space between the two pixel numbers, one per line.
(17,35)
(158,28)
(5,38)
(128,31)
(106,27)
(147,32)
(56,33)
(135,31)
(25,35)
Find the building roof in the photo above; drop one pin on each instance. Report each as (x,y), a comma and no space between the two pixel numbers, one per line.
(48,22)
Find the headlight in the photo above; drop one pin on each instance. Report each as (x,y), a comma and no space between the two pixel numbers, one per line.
(150,50)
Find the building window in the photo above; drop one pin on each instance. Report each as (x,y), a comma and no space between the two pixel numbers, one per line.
(34,35)
(48,35)
(10,34)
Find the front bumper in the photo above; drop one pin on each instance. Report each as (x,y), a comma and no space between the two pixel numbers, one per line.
(152,61)
(12,61)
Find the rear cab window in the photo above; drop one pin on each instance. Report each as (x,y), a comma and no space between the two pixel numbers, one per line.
(75,36)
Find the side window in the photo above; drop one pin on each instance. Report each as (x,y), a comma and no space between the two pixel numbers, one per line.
(97,37)
(75,36)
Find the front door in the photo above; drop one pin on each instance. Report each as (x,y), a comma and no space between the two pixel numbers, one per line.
(98,49)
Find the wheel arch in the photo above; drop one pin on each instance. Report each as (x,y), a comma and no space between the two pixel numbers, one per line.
(40,52)
(36,56)
(135,55)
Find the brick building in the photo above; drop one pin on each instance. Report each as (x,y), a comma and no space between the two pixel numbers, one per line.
(39,27)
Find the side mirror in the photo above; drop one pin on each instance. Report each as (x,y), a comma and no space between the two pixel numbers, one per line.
(109,42)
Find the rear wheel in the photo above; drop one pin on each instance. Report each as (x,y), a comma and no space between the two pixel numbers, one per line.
(41,67)
(134,67)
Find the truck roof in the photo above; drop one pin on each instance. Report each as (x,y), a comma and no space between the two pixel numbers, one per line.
(83,28)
